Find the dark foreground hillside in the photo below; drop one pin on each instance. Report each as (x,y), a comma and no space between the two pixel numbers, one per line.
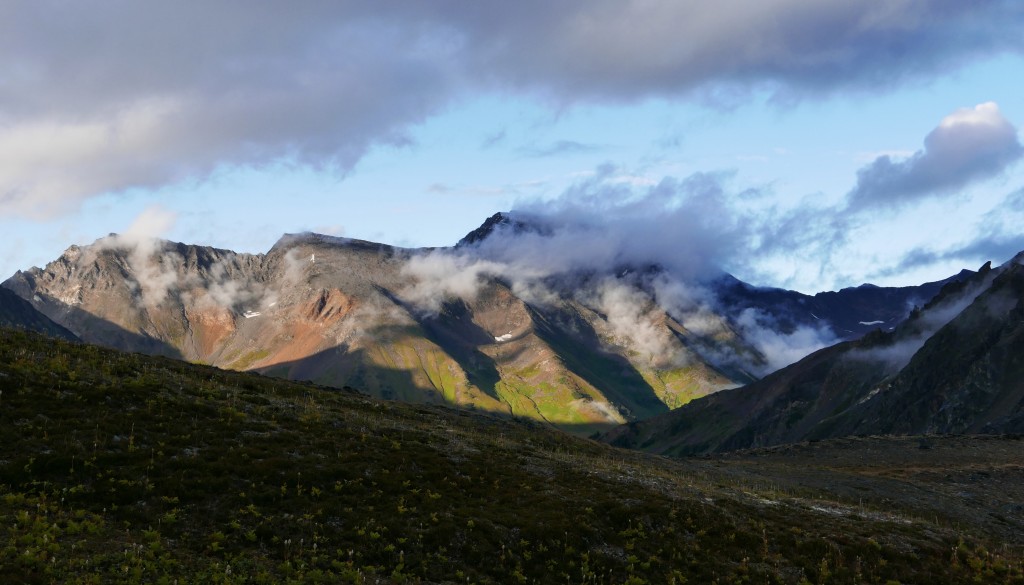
(124,468)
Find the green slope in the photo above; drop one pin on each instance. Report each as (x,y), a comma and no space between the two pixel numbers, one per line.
(124,468)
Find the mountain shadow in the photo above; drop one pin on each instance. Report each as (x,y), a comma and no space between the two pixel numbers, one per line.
(93,329)
(18,313)
(453,330)
(952,367)
(581,354)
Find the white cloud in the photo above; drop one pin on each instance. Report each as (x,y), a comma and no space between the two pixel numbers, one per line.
(968,145)
(781,348)
(154,268)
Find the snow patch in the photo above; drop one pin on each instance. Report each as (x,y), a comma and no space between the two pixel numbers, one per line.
(504,337)
(251,314)
(871,322)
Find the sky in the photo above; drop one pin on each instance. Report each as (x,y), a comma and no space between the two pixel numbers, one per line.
(804,144)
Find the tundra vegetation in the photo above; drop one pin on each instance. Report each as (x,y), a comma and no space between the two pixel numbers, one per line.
(119,467)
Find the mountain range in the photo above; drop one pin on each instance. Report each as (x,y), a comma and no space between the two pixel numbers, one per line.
(954,366)
(580,346)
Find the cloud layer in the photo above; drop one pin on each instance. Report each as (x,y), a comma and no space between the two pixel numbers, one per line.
(636,255)
(101,98)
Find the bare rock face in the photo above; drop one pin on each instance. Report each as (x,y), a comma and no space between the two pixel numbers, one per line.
(18,313)
(584,351)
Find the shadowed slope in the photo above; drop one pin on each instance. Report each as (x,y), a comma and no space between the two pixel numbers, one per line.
(119,467)
(954,367)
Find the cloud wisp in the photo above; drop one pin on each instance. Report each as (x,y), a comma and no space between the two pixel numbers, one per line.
(897,355)
(154,269)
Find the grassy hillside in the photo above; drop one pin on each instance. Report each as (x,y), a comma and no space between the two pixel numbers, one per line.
(124,468)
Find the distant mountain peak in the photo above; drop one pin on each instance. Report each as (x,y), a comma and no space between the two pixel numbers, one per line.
(288,241)
(516,222)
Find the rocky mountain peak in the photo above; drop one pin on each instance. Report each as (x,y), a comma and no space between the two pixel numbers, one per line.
(515,222)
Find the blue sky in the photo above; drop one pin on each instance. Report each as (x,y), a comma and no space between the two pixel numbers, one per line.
(847,142)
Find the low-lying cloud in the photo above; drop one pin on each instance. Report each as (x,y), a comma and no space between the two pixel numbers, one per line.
(154,269)
(898,354)
(779,347)
(639,256)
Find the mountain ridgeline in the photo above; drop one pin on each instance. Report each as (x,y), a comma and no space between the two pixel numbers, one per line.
(956,366)
(582,348)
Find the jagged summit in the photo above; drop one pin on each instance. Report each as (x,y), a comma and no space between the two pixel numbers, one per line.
(515,222)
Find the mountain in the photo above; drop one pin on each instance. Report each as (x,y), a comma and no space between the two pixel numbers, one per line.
(507,222)
(118,467)
(850,313)
(955,366)
(17,312)
(585,348)
(345,312)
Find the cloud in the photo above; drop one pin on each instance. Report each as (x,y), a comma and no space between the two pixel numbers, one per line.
(686,225)
(106,98)
(968,145)
(635,254)
(913,334)
(612,50)
(154,268)
(559,148)
(157,269)
(439,276)
(996,238)
(633,316)
(492,140)
(998,247)
(780,348)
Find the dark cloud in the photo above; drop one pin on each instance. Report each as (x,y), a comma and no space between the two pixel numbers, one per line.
(998,248)
(105,97)
(492,140)
(609,49)
(968,145)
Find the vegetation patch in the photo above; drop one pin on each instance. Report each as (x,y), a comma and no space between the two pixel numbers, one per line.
(125,468)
